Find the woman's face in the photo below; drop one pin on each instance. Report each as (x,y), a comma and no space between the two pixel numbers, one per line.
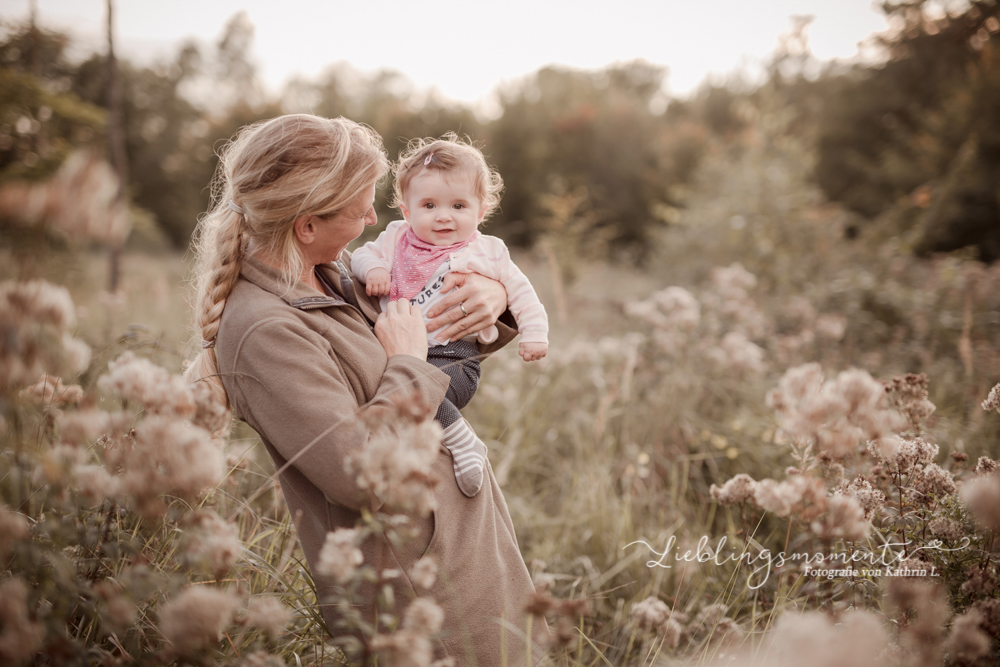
(333,234)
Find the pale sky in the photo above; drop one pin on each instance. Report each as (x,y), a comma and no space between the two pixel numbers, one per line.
(465,48)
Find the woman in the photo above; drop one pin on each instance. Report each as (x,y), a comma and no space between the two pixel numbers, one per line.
(289,344)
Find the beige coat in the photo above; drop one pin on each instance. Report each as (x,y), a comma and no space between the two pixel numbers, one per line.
(296,367)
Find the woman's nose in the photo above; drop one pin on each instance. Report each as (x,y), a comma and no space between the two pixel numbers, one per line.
(371,218)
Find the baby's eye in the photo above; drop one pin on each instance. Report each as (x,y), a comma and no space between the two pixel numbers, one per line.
(459,205)
(428,205)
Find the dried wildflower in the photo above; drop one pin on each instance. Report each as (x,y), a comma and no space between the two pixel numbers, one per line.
(708,618)
(986,466)
(736,352)
(423,616)
(141,381)
(908,394)
(672,632)
(733,281)
(967,642)
(410,646)
(211,544)
(80,201)
(885,449)
(982,495)
(871,499)
(574,608)
(34,317)
(844,519)
(83,427)
(932,481)
(855,638)
(831,327)
(20,637)
(925,608)
(913,452)
(673,307)
(564,634)
(423,574)
(992,401)
(739,489)
(835,415)
(50,391)
(117,610)
(195,619)
(946,529)
(540,603)
(404,648)
(990,610)
(340,556)
(171,456)
(209,414)
(979,581)
(726,632)
(959,457)
(95,483)
(801,495)
(58,464)
(13,528)
(650,613)
(269,614)
(395,465)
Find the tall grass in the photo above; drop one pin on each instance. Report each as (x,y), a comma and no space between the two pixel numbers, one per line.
(655,393)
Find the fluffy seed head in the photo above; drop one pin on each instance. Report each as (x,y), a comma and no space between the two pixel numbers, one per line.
(340,556)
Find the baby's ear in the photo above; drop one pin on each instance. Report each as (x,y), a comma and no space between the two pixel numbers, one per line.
(405,211)
(482,213)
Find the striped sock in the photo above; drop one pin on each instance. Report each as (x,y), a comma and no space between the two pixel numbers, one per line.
(469,455)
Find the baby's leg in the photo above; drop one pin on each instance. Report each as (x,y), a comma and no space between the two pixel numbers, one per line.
(467,450)
(459,361)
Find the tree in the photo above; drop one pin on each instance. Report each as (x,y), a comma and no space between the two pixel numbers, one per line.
(920,130)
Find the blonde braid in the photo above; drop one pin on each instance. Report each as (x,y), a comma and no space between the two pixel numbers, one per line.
(221,253)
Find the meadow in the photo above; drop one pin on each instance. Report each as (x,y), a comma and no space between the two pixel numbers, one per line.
(753,389)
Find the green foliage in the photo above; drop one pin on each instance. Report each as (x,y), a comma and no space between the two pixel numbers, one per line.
(596,133)
(922,125)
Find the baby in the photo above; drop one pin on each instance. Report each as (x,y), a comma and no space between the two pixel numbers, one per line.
(444,188)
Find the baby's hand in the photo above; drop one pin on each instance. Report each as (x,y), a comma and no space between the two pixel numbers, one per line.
(377,282)
(532,351)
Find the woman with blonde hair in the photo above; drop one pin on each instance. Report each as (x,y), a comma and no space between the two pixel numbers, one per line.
(297,348)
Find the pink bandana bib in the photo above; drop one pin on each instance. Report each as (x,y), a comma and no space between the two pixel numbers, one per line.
(415,262)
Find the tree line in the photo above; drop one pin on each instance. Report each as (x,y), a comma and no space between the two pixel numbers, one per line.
(597,160)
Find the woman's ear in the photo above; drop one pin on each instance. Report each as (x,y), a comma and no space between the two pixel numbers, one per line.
(305,229)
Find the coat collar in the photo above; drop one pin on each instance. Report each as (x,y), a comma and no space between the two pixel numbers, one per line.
(301,296)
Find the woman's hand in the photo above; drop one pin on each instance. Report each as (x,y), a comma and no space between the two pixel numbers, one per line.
(483,299)
(400,329)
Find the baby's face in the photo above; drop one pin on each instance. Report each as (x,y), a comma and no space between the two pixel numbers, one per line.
(442,208)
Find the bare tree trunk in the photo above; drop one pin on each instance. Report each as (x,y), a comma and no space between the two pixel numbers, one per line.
(34,58)
(116,142)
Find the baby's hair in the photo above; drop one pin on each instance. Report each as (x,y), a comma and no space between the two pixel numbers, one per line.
(449,153)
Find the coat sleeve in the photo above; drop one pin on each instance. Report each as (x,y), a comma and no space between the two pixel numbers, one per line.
(297,396)
(377,254)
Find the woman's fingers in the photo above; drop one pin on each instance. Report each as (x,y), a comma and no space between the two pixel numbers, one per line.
(400,330)
(451,296)
(482,299)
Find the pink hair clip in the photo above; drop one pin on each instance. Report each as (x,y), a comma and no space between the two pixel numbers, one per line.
(427,160)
